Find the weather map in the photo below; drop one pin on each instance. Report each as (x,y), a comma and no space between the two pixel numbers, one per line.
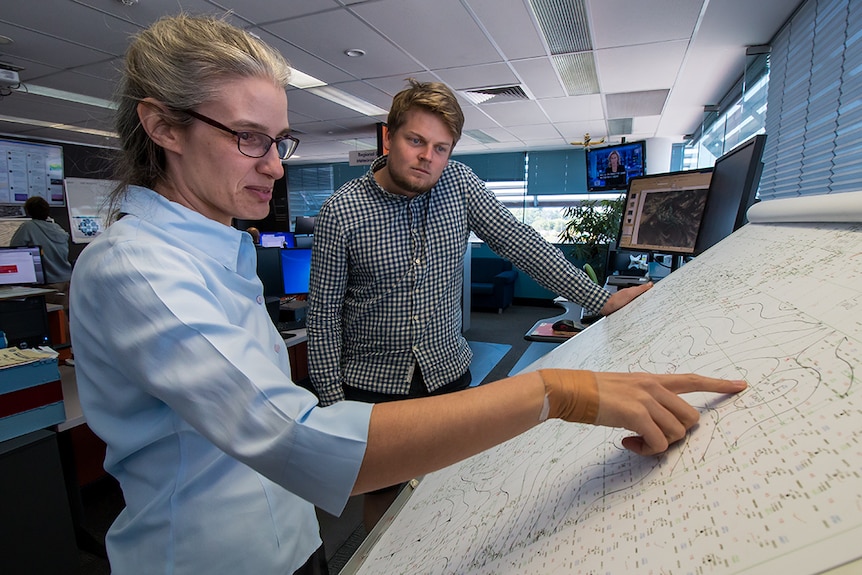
(768,480)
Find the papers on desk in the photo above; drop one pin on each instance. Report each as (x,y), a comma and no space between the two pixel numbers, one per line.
(546,329)
(13,356)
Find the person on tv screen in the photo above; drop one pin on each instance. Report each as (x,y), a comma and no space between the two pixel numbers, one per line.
(220,456)
(614,175)
(384,315)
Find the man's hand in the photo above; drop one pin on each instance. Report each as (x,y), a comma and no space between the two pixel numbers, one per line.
(623,297)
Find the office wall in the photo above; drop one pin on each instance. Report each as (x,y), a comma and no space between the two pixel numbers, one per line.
(814,113)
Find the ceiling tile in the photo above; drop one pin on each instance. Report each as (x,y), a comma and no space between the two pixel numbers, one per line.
(344,32)
(480,76)
(637,68)
(513,29)
(399,20)
(573,108)
(622,22)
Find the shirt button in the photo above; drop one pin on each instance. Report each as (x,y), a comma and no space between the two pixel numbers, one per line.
(260,299)
(277,348)
(415,318)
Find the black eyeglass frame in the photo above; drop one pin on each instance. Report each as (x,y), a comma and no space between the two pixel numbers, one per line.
(241,135)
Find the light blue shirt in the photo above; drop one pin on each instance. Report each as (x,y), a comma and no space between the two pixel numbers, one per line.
(181,372)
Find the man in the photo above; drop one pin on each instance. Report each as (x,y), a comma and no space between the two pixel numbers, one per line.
(53,240)
(384,312)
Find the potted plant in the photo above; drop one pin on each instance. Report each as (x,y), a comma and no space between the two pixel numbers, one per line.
(592,226)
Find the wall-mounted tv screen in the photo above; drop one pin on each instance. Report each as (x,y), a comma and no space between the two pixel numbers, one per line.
(611,167)
(30,169)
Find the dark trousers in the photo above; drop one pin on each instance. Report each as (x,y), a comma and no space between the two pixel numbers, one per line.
(417,389)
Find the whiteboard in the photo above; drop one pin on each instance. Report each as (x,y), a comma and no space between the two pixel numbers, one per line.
(87,204)
(770,480)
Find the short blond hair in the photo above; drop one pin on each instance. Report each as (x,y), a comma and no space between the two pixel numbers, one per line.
(434,97)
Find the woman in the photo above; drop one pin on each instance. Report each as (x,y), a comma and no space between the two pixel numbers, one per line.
(615,175)
(222,458)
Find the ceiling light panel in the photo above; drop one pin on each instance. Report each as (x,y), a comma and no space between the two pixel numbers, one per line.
(564,24)
(633,104)
(578,73)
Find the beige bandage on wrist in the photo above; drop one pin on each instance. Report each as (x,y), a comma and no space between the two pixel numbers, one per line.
(573,395)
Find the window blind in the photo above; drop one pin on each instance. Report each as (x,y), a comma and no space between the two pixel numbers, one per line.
(557,172)
(505,167)
(814,114)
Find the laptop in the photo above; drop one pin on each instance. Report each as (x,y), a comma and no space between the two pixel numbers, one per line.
(21,266)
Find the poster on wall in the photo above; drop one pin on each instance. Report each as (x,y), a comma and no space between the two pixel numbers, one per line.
(86,200)
(30,169)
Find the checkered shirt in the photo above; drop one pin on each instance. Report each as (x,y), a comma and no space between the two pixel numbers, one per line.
(387,276)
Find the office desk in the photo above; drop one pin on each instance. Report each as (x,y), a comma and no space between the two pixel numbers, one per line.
(37,534)
(539,329)
(18,292)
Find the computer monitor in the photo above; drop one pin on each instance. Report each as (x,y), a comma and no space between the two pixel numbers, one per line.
(25,321)
(663,212)
(269,271)
(277,240)
(627,263)
(304,225)
(732,191)
(21,266)
(295,270)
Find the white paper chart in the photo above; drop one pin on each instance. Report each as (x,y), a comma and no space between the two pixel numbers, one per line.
(769,481)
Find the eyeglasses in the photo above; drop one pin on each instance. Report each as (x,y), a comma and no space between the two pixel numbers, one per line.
(253,144)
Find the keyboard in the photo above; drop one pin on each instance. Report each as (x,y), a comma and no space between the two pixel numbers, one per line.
(290,325)
(627,280)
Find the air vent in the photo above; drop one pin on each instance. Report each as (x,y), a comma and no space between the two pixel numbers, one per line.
(620,127)
(493,95)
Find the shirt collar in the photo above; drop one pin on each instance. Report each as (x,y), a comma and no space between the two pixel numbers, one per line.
(216,240)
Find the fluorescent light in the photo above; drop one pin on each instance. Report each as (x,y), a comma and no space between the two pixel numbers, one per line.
(303,81)
(359,144)
(348,101)
(67,96)
(56,126)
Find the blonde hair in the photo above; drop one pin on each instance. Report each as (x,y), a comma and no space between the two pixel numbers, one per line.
(434,97)
(181,61)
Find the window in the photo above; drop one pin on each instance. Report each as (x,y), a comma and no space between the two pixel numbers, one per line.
(742,115)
